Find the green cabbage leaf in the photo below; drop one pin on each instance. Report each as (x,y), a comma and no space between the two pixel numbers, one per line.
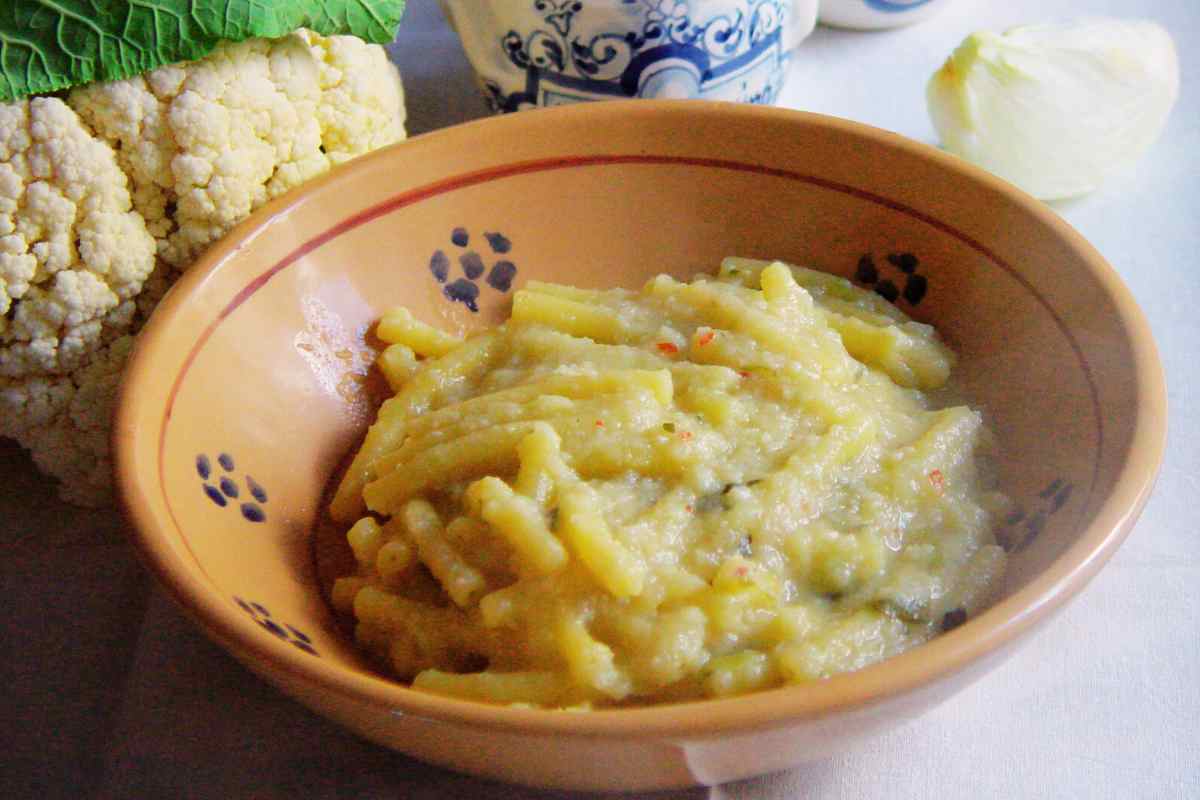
(50,45)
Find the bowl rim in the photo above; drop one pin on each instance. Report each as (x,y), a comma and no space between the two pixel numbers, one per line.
(944,656)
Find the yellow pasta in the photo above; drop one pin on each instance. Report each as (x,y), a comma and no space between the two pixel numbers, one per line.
(394,560)
(415,634)
(427,389)
(344,591)
(559,290)
(483,407)
(829,291)
(365,538)
(490,450)
(398,363)
(728,309)
(541,464)
(568,316)
(507,412)
(738,673)
(499,609)
(693,490)
(519,520)
(585,529)
(851,642)
(591,662)
(399,326)
(779,288)
(461,581)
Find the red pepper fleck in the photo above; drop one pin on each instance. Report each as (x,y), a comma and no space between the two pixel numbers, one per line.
(743,373)
(668,348)
(938,481)
(599,423)
(685,435)
(742,571)
(706,337)
(688,509)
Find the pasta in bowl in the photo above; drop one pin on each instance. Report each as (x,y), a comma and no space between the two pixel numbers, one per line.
(254,380)
(695,490)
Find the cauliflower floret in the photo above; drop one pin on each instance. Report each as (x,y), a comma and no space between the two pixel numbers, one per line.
(105,199)
(72,248)
(64,422)
(362,101)
(206,143)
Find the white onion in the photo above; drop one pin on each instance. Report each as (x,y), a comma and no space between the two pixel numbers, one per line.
(1056,108)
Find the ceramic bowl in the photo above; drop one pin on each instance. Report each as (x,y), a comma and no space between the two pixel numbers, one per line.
(876,14)
(251,384)
(529,53)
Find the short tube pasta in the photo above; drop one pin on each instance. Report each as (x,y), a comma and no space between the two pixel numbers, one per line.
(698,489)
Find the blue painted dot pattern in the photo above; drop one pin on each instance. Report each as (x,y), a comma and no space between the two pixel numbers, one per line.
(905,282)
(439,265)
(221,490)
(288,633)
(465,292)
(215,495)
(501,276)
(1024,525)
(256,491)
(299,635)
(253,512)
(498,242)
(473,265)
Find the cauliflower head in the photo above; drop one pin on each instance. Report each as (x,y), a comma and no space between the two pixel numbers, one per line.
(108,196)
(206,143)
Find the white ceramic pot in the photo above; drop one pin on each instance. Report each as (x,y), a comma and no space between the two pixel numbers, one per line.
(529,53)
(875,14)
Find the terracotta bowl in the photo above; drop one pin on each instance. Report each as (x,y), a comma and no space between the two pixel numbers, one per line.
(251,384)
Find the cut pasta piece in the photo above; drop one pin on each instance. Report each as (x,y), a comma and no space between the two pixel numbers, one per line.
(738,673)
(485,452)
(561,290)
(461,581)
(592,541)
(590,662)
(398,363)
(399,326)
(568,316)
(540,454)
(426,390)
(519,520)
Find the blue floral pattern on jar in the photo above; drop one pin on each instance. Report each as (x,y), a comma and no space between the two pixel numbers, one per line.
(657,48)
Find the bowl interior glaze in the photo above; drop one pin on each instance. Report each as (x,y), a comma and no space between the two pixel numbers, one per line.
(252,381)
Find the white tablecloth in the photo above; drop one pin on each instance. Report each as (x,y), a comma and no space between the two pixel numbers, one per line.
(107,691)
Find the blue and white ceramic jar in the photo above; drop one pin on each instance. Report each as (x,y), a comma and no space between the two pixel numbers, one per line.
(874,14)
(529,53)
